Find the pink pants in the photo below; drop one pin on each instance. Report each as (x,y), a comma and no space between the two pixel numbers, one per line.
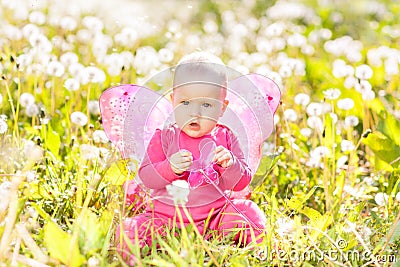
(223,221)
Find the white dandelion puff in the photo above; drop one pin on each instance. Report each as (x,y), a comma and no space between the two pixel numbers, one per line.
(71,84)
(364,72)
(32,110)
(314,109)
(381,199)
(79,118)
(345,103)
(290,115)
(316,123)
(26,99)
(332,93)
(179,191)
(302,99)
(346,146)
(99,136)
(93,107)
(351,121)
(89,152)
(3,125)
(55,68)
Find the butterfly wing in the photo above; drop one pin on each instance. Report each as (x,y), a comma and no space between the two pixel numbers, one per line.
(130,115)
(253,100)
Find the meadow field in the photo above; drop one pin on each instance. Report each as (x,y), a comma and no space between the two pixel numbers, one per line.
(329,179)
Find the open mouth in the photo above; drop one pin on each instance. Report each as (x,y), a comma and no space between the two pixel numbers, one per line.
(194,126)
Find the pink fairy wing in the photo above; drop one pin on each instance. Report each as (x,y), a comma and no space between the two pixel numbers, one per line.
(130,116)
(253,100)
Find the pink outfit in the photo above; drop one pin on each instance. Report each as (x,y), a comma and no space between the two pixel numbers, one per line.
(204,201)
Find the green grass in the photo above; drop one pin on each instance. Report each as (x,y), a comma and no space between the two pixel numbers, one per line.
(61,195)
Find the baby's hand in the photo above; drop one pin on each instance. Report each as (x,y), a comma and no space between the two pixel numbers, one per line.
(181,161)
(223,157)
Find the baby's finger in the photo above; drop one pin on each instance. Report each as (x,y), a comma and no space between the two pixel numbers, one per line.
(185,153)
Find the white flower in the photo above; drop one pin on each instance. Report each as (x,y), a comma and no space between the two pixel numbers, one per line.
(165,55)
(290,115)
(368,95)
(3,125)
(363,72)
(94,74)
(346,145)
(306,132)
(332,93)
(68,23)
(94,107)
(32,110)
(32,151)
(314,109)
(37,17)
(345,103)
(93,23)
(285,226)
(69,58)
(55,68)
(319,152)
(5,190)
(315,122)
(26,99)
(79,118)
(100,136)
(93,262)
(89,152)
(381,199)
(179,191)
(351,121)
(71,84)
(398,196)
(341,161)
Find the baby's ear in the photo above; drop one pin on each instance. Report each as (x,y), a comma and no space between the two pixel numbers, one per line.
(170,97)
(224,106)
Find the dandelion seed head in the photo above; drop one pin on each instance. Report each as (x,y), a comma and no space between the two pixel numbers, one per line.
(315,123)
(3,125)
(314,109)
(68,23)
(368,95)
(37,17)
(93,107)
(363,72)
(302,99)
(346,146)
(93,23)
(71,84)
(290,115)
(332,93)
(351,121)
(345,103)
(26,99)
(398,196)
(99,136)
(79,118)
(55,68)
(30,29)
(89,152)
(179,191)
(381,199)
(306,132)
(32,110)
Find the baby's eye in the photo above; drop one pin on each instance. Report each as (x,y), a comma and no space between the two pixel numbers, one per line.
(206,105)
(185,103)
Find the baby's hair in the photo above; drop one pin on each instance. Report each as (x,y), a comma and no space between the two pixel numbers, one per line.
(201,67)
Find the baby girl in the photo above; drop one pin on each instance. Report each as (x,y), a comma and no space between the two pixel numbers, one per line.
(174,153)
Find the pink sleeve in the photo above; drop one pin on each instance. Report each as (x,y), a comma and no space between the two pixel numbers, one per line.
(155,170)
(237,176)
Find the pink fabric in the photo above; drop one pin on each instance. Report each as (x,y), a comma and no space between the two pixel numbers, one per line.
(204,201)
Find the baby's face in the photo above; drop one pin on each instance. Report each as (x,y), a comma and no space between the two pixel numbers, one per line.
(197,108)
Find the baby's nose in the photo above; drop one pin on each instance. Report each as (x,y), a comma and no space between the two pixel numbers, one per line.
(195,111)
